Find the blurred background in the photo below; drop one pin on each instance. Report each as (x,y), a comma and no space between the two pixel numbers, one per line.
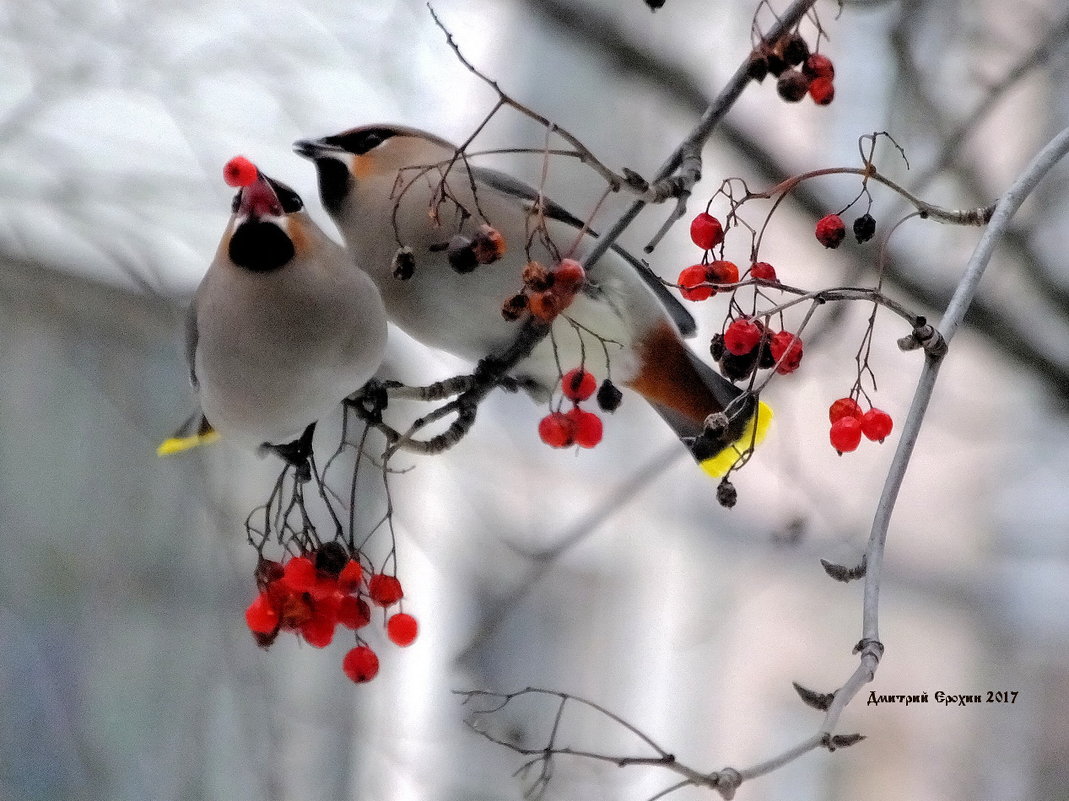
(126,671)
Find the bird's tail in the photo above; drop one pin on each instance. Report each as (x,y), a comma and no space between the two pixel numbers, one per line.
(193,432)
(685,392)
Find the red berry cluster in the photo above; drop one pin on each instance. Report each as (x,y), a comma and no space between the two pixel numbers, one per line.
(546,293)
(239,171)
(312,594)
(694,282)
(849,423)
(576,426)
(797,71)
(820,73)
(747,344)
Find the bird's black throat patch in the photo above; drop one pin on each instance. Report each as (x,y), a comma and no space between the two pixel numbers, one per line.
(260,246)
(334,179)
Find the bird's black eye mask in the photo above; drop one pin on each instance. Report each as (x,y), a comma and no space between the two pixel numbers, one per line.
(290,200)
(360,140)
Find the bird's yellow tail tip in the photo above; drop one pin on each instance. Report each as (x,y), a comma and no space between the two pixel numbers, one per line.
(717,466)
(194,432)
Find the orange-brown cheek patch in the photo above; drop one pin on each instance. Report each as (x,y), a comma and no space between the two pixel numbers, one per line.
(298,234)
(361,167)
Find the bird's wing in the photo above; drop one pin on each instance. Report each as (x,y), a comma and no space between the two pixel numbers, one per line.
(508,185)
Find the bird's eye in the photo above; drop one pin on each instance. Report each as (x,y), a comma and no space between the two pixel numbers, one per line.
(236,202)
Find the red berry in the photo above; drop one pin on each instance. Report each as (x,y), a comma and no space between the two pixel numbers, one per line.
(318,631)
(488,244)
(299,574)
(818,66)
(586,426)
(830,230)
(402,629)
(742,336)
(706,231)
(293,610)
(239,171)
(353,612)
(328,607)
(556,430)
(822,90)
(548,304)
(360,664)
(763,270)
(545,305)
(689,283)
(536,277)
(578,384)
(876,424)
(723,272)
(844,407)
(350,577)
(384,590)
(569,275)
(325,586)
(786,349)
(261,616)
(845,434)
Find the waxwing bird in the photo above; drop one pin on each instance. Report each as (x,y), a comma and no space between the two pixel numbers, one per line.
(282,328)
(389,187)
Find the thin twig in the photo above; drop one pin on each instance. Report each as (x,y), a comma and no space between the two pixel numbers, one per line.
(582,152)
(977,216)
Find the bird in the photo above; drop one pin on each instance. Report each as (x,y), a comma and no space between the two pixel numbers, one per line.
(393,189)
(282,328)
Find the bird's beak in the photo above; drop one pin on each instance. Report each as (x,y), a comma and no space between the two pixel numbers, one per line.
(316,149)
(259,199)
